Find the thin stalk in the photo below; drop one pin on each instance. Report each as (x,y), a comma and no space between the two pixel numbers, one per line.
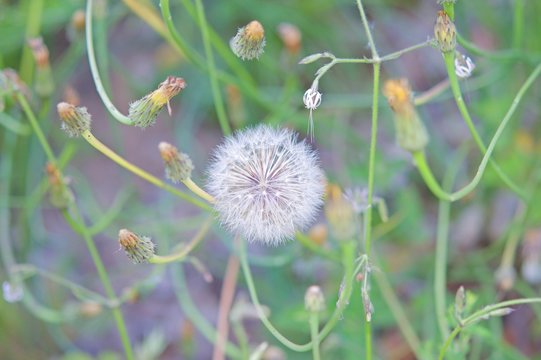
(78,224)
(198,191)
(98,145)
(314,329)
(348,257)
(518,23)
(95,71)
(449,58)
(427,175)
(33,24)
(481,314)
(185,251)
(216,93)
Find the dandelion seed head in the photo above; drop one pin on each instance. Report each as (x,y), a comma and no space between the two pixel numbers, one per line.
(266,184)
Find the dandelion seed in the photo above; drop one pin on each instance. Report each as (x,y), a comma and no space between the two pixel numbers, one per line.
(266,184)
(311,100)
(464,66)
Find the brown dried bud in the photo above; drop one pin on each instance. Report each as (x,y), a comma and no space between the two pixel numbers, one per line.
(249,42)
(140,249)
(178,166)
(291,37)
(60,195)
(75,120)
(40,51)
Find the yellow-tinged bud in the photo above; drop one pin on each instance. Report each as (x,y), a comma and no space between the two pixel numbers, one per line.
(411,133)
(445,32)
(178,166)
(140,249)
(75,120)
(143,112)
(314,300)
(249,42)
(340,214)
(60,194)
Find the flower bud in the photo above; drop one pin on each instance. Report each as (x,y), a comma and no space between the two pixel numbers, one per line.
(235,105)
(178,166)
(460,303)
(76,27)
(340,214)
(43,84)
(140,249)
(143,112)
(90,309)
(464,66)
(445,32)
(249,42)
(75,120)
(60,194)
(314,301)
(411,134)
(291,37)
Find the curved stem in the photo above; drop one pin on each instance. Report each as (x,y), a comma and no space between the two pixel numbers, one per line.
(182,254)
(216,93)
(449,58)
(98,145)
(426,172)
(95,71)
(198,191)
(314,328)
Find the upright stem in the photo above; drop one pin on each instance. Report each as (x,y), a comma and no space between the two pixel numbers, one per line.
(33,23)
(314,328)
(215,85)
(518,23)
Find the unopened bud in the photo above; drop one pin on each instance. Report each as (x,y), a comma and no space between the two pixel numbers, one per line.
(44,84)
(140,249)
(464,66)
(314,300)
(291,37)
(460,303)
(178,166)
(499,312)
(411,133)
(367,305)
(249,42)
(76,28)
(143,112)
(60,194)
(505,277)
(75,120)
(445,32)
(90,309)
(340,214)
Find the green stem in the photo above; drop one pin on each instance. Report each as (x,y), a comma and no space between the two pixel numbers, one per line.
(427,175)
(33,25)
(314,329)
(77,223)
(95,71)
(182,254)
(449,58)
(80,227)
(216,93)
(481,314)
(518,23)
(98,145)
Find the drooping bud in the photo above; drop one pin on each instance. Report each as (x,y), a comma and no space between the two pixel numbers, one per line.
(291,37)
(464,66)
(60,194)
(314,300)
(249,42)
(140,249)
(411,133)
(143,112)
(311,100)
(75,120)
(44,84)
(445,32)
(178,166)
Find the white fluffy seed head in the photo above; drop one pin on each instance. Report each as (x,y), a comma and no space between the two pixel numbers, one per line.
(266,184)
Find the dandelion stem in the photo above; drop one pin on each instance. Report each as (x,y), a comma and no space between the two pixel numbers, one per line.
(185,251)
(198,191)
(426,173)
(95,71)
(449,58)
(314,328)
(98,145)
(216,93)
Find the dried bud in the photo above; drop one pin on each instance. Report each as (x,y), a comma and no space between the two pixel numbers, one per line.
(314,301)
(291,37)
(140,249)
(411,134)
(90,309)
(340,214)
(445,32)
(44,84)
(249,42)
(235,106)
(40,51)
(464,66)
(178,166)
(75,120)
(318,234)
(143,112)
(60,194)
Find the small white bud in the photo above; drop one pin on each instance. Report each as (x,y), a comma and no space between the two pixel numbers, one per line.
(464,66)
